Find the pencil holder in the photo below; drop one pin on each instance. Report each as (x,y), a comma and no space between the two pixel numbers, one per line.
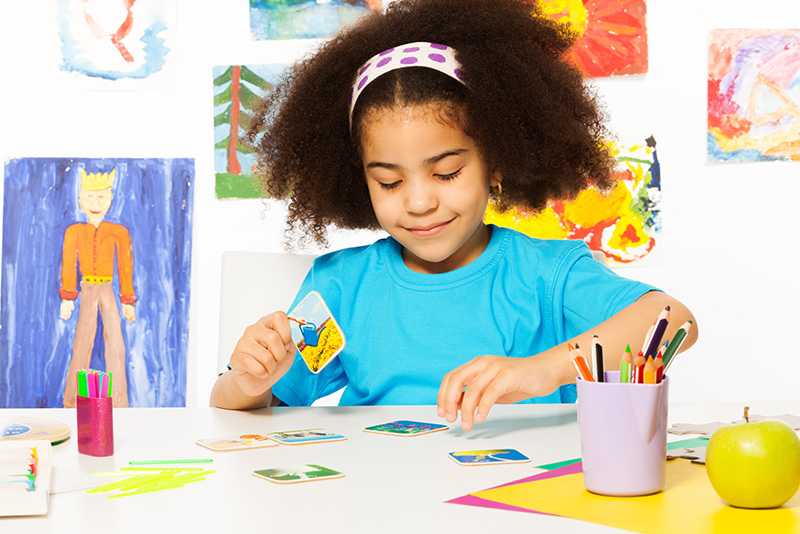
(95,426)
(623,436)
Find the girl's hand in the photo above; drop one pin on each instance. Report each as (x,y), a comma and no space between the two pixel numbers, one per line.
(264,354)
(487,380)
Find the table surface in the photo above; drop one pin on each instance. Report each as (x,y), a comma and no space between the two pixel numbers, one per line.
(392,484)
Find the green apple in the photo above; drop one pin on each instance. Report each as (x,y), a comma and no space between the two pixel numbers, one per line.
(754,465)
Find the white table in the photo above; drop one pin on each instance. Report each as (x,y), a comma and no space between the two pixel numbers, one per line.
(392,484)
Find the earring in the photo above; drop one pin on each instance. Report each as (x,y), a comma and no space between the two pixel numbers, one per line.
(499,188)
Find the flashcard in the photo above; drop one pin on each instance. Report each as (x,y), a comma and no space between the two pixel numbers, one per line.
(243,442)
(709,428)
(315,332)
(489,457)
(293,475)
(696,454)
(406,428)
(305,436)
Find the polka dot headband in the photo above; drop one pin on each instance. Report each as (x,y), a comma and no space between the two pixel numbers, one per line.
(422,54)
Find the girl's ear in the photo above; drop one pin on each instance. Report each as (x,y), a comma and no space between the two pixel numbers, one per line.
(496,180)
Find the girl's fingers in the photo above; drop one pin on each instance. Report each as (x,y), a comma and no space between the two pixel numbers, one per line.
(246,363)
(279,322)
(495,390)
(473,395)
(455,387)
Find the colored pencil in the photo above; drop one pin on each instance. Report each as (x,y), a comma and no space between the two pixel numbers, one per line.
(677,341)
(660,327)
(583,370)
(647,337)
(638,368)
(659,368)
(598,369)
(625,366)
(650,371)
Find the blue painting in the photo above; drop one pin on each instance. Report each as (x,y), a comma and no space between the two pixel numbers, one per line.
(305,19)
(95,273)
(114,39)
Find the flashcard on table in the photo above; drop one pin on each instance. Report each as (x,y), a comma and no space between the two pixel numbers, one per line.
(305,436)
(696,454)
(293,475)
(489,457)
(315,332)
(709,428)
(406,428)
(243,442)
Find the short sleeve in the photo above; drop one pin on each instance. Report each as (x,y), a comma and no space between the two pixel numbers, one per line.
(588,293)
(299,386)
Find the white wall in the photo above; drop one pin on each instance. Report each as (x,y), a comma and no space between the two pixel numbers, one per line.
(728,248)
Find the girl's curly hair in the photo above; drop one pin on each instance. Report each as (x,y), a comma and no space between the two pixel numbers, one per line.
(529,112)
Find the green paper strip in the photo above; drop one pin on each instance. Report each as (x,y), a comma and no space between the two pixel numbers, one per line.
(83,387)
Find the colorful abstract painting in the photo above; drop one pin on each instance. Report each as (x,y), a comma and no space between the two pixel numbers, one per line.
(612,34)
(238,91)
(115,39)
(305,19)
(754,95)
(622,223)
(95,273)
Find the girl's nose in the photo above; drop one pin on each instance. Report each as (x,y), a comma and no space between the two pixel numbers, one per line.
(420,198)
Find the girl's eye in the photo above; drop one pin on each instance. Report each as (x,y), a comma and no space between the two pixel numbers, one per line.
(390,185)
(451,176)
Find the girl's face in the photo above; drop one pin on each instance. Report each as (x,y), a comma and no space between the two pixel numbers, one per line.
(429,186)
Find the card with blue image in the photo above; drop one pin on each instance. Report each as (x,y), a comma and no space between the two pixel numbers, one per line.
(315,332)
(406,428)
(489,457)
(305,436)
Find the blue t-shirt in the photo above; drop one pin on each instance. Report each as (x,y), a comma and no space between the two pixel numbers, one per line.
(405,330)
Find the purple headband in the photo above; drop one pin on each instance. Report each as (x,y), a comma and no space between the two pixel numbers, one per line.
(421,54)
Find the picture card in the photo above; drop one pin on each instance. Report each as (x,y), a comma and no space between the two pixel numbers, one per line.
(306,436)
(406,428)
(293,475)
(243,442)
(315,332)
(489,457)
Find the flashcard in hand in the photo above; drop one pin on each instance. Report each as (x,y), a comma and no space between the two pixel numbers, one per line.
(304,473)
(406,428)
(306,436)
(489,457)
(243,442)
(315,332)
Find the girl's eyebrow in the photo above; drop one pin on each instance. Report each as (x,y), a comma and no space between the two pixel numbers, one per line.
(429,161)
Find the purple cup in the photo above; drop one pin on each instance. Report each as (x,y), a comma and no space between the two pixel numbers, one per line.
(623,436)
(95,426)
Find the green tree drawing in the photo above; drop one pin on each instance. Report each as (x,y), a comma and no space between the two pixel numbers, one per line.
(240,91)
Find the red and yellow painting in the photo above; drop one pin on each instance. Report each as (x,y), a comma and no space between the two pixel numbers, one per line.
(622,222)
(611,34)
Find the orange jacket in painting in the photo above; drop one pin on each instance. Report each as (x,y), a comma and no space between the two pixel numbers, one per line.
(92,251)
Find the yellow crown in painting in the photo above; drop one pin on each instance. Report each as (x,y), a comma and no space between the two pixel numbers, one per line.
(97,181)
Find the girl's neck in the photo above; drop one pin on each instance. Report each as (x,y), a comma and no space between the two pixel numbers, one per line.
(468,252)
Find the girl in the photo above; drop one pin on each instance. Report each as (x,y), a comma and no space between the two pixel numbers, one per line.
(410,122)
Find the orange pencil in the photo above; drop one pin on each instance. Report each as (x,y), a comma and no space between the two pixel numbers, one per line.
(638,369)
(582,368)
(650,371)
(659,367)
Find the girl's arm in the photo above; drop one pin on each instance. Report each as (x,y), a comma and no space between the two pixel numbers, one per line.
(500,379)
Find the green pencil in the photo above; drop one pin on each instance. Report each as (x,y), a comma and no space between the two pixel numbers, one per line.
(675,344)
(178,461)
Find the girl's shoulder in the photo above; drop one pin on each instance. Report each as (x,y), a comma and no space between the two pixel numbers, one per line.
(522,247)
(352,258)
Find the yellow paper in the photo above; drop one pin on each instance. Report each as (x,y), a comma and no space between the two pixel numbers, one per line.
(689,504)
